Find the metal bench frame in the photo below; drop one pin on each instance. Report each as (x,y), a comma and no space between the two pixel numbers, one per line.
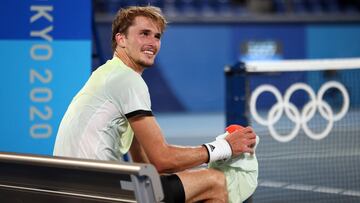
(34,175)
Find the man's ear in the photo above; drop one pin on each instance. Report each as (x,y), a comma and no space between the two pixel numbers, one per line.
(120,40)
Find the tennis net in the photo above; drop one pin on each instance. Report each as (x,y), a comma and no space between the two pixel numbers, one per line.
(307,114)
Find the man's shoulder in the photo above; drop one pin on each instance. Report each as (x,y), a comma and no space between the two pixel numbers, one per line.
(112,69)
(111,64)
(119,75)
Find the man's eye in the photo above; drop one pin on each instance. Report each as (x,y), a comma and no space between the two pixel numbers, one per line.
(145,33)
(158,36)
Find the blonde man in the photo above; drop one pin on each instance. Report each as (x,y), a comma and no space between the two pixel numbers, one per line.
(112,115)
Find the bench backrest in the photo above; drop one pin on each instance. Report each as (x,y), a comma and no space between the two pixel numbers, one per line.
(35,178)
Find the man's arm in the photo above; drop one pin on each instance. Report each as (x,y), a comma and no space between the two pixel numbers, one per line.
(137,152)
(166,158)
(170,158)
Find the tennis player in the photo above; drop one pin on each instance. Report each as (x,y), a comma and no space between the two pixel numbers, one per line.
(111,115)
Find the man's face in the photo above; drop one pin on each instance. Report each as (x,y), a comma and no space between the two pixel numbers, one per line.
(142,41)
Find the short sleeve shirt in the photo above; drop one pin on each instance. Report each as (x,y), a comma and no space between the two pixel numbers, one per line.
(95,125)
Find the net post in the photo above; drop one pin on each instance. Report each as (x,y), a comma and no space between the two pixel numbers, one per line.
(236,88)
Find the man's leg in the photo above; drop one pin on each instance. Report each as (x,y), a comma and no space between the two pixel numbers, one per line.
(204,185)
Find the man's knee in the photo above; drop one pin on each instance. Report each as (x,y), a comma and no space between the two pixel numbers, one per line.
(217,177)
(218,182)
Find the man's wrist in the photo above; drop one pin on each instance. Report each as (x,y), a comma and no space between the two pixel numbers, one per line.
(218,150)
(208,154)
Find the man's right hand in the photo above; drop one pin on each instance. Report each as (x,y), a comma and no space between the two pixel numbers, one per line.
(242,141)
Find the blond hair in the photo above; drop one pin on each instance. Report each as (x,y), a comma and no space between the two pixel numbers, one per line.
(125,18)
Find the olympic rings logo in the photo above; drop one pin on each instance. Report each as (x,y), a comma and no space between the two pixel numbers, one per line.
(293,113)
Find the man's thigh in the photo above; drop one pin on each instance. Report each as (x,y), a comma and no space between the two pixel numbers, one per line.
(203,184)
(173,188)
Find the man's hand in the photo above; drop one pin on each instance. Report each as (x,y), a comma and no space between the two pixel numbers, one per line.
(241,141)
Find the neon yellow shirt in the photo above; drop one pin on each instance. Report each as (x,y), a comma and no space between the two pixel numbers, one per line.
(95,125)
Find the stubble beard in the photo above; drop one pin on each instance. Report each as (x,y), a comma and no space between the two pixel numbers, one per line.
(144,64)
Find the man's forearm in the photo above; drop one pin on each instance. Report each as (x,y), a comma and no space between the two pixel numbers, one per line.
(178,158)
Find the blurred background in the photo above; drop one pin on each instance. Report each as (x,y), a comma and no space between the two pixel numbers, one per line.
(203,36)
(48,49)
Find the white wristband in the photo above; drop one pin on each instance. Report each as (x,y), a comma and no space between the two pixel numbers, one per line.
(218,150)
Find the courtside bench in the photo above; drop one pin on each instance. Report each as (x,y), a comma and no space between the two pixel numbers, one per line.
(38,179)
